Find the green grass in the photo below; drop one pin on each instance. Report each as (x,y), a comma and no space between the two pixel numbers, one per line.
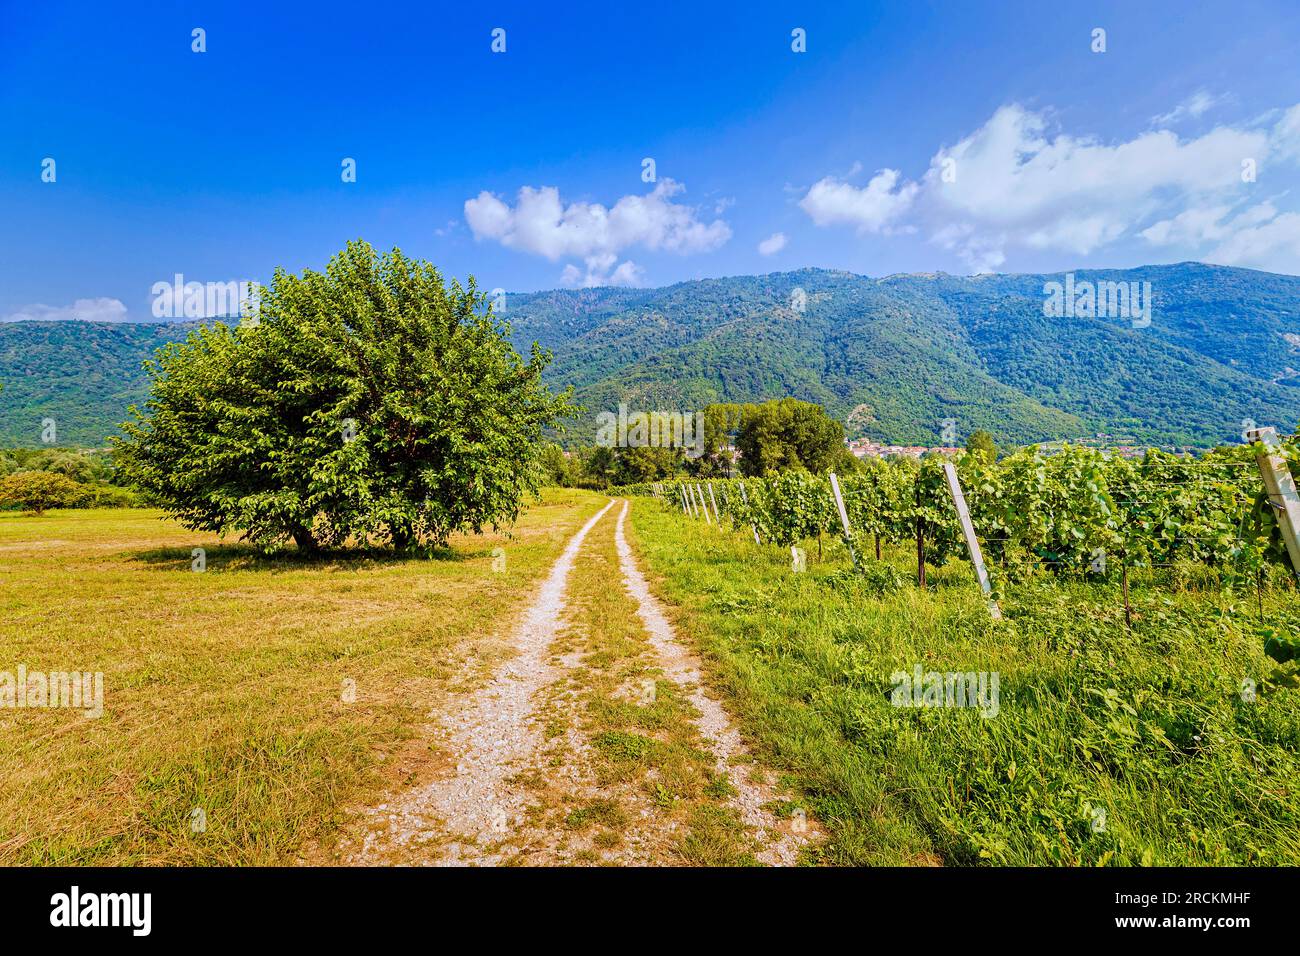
(646,751)
(1148,727)
(224,690)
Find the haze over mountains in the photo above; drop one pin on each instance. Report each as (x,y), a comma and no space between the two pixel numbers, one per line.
(905,351)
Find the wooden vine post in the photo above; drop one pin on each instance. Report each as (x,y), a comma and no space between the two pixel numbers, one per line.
(972,542)
(745,499)
(686,510)
(844,517)
(704,505)
(717,514)
(920,541)
(1128,606)
(1281,489)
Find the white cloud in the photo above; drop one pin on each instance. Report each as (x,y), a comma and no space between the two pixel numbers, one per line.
(871,208)
(601,270)
(1257,237)
(542,224)
(1286,136)
(1191,226)
(982,253)
(772,244)
(1273,245)
(1016,182)
(1194,106)
(1076,194)
(88,310)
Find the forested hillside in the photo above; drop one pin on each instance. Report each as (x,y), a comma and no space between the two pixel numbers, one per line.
(81,374)
(906,352)
(910,351)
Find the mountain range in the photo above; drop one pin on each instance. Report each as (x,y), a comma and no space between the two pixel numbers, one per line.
(894,357)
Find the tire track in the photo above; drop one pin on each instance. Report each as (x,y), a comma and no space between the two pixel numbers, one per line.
(781,844)
(468,817)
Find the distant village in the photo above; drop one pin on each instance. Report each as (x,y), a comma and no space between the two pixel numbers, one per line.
(866,448)
(1123,446)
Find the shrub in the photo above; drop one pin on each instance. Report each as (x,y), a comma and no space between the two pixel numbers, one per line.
(36,491)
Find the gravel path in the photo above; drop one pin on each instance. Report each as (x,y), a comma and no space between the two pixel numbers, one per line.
(476,813)
(780,844)
(471,813)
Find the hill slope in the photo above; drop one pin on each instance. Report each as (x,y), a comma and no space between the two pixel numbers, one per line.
(914,350)
(906,351)
(81,374)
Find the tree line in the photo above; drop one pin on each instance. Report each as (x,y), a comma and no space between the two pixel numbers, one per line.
(740,440)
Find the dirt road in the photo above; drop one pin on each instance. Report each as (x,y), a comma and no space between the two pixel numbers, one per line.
(596,743)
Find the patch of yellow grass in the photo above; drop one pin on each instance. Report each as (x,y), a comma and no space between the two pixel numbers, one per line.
(227,737)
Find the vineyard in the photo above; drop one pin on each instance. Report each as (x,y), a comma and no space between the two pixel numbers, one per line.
(1077,513)
(1156,724)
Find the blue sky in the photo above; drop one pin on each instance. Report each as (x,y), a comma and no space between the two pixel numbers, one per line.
(908,137)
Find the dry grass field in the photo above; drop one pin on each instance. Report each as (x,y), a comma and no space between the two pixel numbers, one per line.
(244,706)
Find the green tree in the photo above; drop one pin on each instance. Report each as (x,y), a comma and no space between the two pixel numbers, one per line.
(645,463)
(721,424)
(788,434)
(980,442)
(556,469)
(598,466)
(371,401)
(38,490)
(78,465)
(844,462)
